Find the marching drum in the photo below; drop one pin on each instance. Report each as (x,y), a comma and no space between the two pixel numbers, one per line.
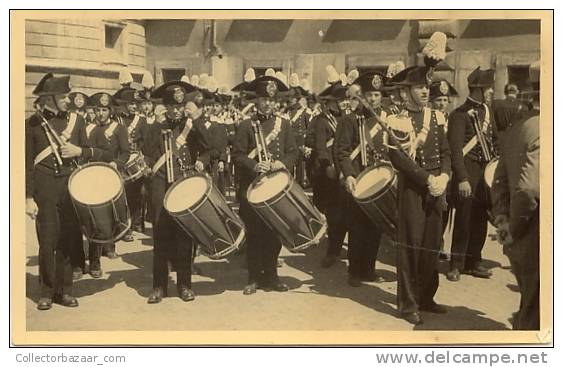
(135,167)
(489,176)
(376,194)
(200,209)
(282,204)
(98,196)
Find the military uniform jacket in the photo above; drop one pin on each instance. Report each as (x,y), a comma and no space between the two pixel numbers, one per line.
(216,135)
(282,148)
(136,125)
(195,147)
(36,141)
(299,120)
(323,133)
(113,141)
(433,156)
(460,131)
(348,138)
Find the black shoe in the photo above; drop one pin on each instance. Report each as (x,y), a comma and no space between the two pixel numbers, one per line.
(44,304)
(354,281)
(373,277)
(155,296)
(276,286)
(413,318)
(127,238)
(328,261)
(250,289)
(453,275)
(96,273)
(186,294)
(479,271)
(66,300)
(111,255)
(434,308)
(77,274)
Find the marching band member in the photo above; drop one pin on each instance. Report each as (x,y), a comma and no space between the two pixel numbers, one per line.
(48,167)
(263,247)
(78,103)
(328,194)
(468,185)
(423,164)
(136,126)
(358,128)
(299,119)
(188,148)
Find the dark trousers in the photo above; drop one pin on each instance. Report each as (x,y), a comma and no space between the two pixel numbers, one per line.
(334,201)
(57,232)
(218,177)
(363,241)
(135,201)
(171,242)
(470,224)
(299,170)
(78,257)
(418,243)
(262,246)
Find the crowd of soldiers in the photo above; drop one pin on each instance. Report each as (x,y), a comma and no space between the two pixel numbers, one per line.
(440,171)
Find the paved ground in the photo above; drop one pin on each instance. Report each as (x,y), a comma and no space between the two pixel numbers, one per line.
(319,298)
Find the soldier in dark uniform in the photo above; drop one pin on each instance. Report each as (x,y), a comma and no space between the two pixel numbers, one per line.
(47,196)
(468,184)
(364,236)
(329,194)
(112,139)
(190,149)
(299,119)
(263,246)
(503,110)
(423,165)
(136,126)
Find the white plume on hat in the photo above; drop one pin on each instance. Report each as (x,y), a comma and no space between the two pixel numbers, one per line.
(195,80)
(224,90)
(125,76)
(333,76)
(343,79)
(435,49)
(352,76)
(281,76)
(270,72)
(250,75)
(394,68)
(147,81)
(294,80)
(185,79)
(305,84)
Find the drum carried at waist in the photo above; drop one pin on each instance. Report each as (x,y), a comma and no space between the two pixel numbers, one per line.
(98,196)
(282,204)
(376,194)
(135,167)
(202,211)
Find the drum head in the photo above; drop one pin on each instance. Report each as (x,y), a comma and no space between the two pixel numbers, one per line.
(490,172)
(185,194)
(268,187)
(373,181)
(95,184)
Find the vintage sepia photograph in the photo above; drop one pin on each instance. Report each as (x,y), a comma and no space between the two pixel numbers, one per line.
(281,177)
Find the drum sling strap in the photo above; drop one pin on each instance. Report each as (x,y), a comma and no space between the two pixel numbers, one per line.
(297,115)
(373,131)
(271,136)
(65,135)
(89,129)
(133,124)
(180,141)
(473,141)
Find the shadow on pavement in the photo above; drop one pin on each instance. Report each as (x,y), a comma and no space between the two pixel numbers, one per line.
(459,318)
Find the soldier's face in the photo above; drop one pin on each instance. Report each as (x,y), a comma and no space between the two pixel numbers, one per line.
(175,112)
(292,101)
(441,103)
(420,94)
(131,107)
(217,108)
(91,114)
(265,105)
(488,95)
(102,114)
(374,98)
(79,101)
(146,107)
(62,102)
(343,104)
